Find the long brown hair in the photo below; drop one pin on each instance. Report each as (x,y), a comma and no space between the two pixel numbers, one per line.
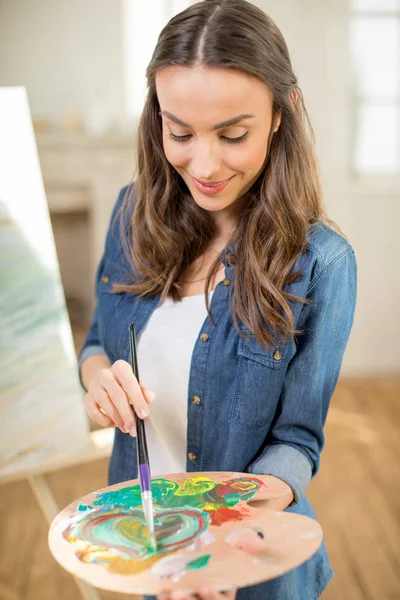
(169,230)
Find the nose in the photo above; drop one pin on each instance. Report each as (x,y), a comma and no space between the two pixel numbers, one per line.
(205,161)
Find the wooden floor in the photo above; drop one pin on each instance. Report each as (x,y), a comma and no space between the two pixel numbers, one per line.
(356,496)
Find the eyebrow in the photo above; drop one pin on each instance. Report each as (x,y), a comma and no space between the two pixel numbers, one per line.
(217,126)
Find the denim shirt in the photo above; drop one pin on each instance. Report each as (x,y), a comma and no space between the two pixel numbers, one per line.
(261,410)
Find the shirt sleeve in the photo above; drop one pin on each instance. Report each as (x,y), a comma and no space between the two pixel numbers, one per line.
(295,440)
(92,345)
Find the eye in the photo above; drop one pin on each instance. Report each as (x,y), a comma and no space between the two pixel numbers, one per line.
(236,140)
(186,138)
(178,138)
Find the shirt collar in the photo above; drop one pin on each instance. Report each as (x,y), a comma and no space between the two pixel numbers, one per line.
(229,254)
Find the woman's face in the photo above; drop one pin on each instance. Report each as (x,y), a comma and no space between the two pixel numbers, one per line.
(216,124)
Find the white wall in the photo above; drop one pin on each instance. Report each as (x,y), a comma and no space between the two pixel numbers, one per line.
(67,54)
(83,71)
(369,214)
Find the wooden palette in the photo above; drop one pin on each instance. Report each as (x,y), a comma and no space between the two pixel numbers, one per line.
(207,535)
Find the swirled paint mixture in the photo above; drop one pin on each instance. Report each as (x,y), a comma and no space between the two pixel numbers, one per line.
(112,530)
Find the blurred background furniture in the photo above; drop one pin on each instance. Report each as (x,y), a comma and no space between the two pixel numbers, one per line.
(82,177)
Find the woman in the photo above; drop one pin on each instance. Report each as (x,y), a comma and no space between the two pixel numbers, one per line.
(242,295)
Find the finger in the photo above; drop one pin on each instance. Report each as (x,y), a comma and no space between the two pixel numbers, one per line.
(116,398)
(102,396)
(230,595)
(212,594)
(148,394)
(248,539)
(123,374)
(207,594)
(182,596)
(95,413)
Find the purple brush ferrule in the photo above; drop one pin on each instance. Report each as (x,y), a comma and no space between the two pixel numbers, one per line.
(145,478)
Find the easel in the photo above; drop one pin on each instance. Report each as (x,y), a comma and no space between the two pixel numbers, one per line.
(100,447)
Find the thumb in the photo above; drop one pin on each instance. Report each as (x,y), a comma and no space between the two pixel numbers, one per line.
(148,394)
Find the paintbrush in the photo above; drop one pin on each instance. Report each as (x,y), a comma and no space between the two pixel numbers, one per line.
(142,453)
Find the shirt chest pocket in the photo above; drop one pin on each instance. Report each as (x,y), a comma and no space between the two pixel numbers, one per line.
(259,381)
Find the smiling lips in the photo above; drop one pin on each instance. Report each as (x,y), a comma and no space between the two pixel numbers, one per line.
(210,187)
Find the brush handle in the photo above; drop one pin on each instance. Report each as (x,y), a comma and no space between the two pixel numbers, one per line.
(141,443)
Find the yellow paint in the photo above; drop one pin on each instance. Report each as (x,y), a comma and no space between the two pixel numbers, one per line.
(195,485)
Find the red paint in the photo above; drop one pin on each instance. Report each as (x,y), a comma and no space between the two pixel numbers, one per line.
(224,514)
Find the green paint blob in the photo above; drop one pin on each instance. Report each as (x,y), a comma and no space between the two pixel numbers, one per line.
(198,563)
(84,507)
(232,499)
(128,497)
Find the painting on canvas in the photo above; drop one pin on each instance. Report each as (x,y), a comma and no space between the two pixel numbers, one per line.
(41,408)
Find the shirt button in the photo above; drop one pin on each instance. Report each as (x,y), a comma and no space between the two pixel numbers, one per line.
(226,282)
(192,456)
(230,258)
(105,279)
(196,400)
(204,337)
(277,355)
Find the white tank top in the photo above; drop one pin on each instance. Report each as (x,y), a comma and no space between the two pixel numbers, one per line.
(164,354)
